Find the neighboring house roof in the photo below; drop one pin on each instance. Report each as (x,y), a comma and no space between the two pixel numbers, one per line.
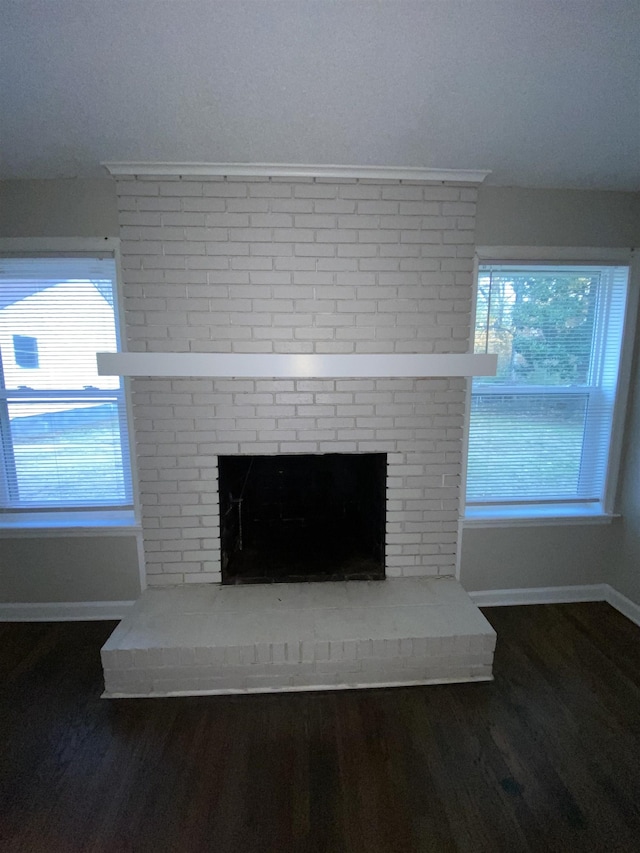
(17,290)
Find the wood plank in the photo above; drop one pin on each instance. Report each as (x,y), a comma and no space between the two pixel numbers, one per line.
(545,758)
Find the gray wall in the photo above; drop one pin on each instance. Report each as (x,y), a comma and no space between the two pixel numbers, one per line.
(550,555)
(626,562)
(514,216)
(508,557)
(492,558)
(65,208)
(68,568)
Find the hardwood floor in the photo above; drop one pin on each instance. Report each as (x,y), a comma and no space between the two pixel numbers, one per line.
(546,758)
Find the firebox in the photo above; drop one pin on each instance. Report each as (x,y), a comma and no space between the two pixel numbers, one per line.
(302,517)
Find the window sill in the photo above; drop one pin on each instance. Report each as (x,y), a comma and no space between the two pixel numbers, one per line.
(541,515)
(72,523)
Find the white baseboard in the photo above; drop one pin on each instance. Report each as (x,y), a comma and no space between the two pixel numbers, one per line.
(64,611)
(623,604)
(559,595)
(85,611)
(540,595)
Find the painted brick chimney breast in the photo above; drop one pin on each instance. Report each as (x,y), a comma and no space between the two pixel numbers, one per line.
(304,266)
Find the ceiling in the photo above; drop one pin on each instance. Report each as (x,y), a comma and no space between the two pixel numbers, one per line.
(545,93)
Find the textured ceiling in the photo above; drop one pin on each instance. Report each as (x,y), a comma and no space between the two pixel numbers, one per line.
(542,92)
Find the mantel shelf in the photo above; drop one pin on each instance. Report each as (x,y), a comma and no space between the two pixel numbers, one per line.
(272,365)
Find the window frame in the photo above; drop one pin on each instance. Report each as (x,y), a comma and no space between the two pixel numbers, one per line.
(578,512)
(81,519)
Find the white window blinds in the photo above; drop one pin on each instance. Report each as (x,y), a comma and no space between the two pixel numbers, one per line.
(540,430)
(62,427)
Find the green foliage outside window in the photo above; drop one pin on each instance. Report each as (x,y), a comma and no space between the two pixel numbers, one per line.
(540,325)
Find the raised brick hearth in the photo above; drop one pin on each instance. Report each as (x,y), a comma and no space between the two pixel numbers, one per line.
(222,639)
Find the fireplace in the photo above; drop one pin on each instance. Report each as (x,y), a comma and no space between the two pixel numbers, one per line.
(298,344)
(302,517)
(296,317)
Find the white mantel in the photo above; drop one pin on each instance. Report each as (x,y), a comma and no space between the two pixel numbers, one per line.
(290,365)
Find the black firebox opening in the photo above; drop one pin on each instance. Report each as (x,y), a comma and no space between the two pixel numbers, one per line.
(301,517)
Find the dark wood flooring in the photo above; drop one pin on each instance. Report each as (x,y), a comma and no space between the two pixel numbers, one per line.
(546,758)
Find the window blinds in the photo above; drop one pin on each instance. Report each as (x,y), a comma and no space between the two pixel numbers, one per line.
(540,430)
(63,428)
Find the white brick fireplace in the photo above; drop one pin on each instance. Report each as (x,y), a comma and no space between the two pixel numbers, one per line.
(337,266)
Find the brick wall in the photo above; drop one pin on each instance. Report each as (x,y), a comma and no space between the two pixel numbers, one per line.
(322,266)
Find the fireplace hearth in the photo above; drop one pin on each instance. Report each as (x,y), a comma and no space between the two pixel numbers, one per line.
(302,517)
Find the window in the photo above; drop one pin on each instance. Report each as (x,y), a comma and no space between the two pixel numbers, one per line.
(25,351)
(63,435)
(540,430)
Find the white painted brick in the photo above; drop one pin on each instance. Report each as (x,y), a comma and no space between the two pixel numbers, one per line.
(361,250)
(384,208)
(226,189)
(270,190)
(403,250)
(403,193)
(360,190)
(296,263)
(296,276)
(293,205)
(315,190)
(335,236)
(180,188)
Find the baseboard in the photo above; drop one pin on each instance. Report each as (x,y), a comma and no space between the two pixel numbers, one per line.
(559,595)
(85,611)
(64,611)
(623,604)
(540,595)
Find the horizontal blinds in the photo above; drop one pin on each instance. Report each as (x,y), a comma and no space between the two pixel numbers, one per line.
(63,427)
(540,429)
